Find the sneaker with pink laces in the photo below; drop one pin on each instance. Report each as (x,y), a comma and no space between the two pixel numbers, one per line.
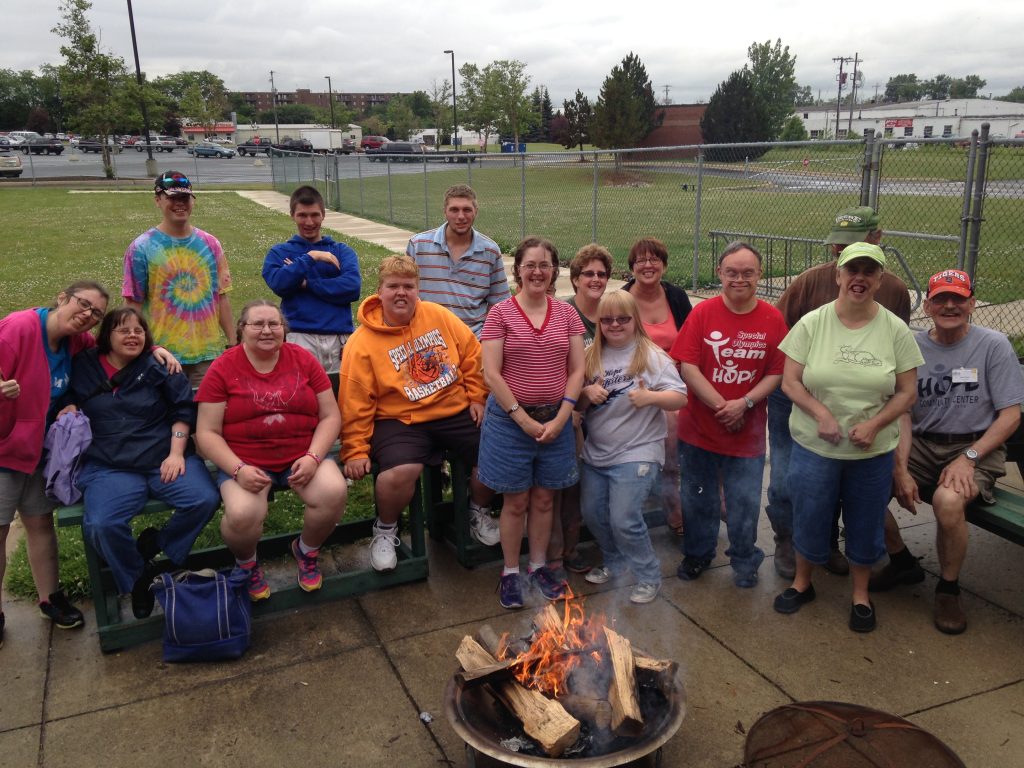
(258,587)
(310,578)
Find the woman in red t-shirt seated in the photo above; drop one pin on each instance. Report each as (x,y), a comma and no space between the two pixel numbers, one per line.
(267,417)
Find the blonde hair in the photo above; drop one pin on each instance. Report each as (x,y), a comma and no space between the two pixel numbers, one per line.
(400,266)
(613,304)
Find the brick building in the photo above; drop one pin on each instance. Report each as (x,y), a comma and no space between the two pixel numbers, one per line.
(680,125)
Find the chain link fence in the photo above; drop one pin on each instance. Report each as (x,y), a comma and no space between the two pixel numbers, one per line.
(942,203)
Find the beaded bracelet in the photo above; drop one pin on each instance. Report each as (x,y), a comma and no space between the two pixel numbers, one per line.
(234,475)
(570,401)
(315,458)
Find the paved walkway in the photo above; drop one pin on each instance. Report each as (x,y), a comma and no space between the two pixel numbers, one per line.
(345,684)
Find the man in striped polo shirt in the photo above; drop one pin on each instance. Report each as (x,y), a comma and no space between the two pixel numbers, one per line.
(460,268)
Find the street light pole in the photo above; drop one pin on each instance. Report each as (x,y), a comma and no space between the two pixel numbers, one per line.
(273,98)
(455,113)
(330,98)
(150,162)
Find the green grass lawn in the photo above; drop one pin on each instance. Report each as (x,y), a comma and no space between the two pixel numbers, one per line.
(53,237)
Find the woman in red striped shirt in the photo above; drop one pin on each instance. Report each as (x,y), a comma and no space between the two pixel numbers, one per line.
(533,365)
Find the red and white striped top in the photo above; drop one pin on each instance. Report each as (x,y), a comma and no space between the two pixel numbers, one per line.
(535,361)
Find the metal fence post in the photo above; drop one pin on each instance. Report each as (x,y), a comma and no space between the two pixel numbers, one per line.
(337,182)
(867,169)
(469,169)
(971,265)
(426,196)
(696,216)
(522,187)
(362,200)
(876,169)
(965,212)
(391,207)
(593,215)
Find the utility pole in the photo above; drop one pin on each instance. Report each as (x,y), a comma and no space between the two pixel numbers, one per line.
(853,95)
(667,101)
(330,98)
(150,162)
(455,108)
(273,98)
(877,86)
(842,81)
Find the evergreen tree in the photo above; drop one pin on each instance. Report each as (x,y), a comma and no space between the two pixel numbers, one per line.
(546,115)
(578,115)
(736,113)
(626,110)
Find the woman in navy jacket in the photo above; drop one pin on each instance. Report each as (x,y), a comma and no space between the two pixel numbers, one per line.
(141,418)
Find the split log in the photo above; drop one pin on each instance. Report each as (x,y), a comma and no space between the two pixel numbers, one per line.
(658,673)
(597,712)
(503,670)
(622,693)
(544,720)
(492,641)
(549,619)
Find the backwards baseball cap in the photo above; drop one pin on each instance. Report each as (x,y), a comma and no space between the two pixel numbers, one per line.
(861,251)
(851,225)
(173,183)
(950,281)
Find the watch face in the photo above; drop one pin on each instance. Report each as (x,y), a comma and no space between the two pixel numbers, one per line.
(971,454)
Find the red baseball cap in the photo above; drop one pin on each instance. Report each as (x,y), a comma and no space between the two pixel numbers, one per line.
(950,281)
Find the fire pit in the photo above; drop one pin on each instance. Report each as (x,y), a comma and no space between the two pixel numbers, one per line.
(575,692)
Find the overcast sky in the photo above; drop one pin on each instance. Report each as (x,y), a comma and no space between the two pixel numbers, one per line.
(396,45)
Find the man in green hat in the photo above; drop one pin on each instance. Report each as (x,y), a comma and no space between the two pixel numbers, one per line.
(808,291)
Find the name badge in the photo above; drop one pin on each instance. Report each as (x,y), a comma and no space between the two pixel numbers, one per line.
(965,375)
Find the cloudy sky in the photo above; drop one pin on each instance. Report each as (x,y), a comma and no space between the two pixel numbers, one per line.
(397,45)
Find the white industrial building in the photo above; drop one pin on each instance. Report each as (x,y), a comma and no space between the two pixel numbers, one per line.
(947,118)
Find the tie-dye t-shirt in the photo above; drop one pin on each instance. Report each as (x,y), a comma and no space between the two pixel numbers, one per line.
(178,281)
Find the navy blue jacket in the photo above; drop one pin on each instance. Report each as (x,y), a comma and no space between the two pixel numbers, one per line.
(131,427)
(315,297)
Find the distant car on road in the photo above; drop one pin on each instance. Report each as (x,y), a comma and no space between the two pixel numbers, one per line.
(7,144)
(93,145)
(219,140)
(40,146)
(253,147)
(373,142)
(399,151)
(208,149)
(10,164)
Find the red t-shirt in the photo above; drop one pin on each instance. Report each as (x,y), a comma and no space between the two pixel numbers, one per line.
(270,418)
(535,361)
(733,352)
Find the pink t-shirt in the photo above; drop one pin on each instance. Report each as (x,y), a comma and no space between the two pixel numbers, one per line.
(270,417)
(664,333)
(535,361)
(733,352)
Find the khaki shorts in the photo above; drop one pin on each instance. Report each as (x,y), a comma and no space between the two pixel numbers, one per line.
(928,459)
(196,371)
(24,493)
(327,348)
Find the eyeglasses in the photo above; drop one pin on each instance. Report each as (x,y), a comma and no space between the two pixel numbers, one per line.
(590,274)
(732,274)
(535,267)
(641,260)
(620,320)
(259,325)
(942,299)
(129,331)
(87,306)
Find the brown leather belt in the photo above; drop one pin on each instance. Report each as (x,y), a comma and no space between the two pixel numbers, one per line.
(945,439)
(542,413)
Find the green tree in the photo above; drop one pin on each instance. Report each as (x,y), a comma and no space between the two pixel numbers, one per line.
(478,109)
(793,130)
(244,112)
(773,75)
(546,115)
(95,85)
(297,114)
(578,116)
(937,88)
(736,113)
(966,87)
(210,88)
(626,110)
(804,97)
(505,83)
(904,87)
(1016,95)
(400,118)
(441,109)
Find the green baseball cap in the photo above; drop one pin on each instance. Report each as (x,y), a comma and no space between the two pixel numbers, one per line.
(861,250)
(851,225)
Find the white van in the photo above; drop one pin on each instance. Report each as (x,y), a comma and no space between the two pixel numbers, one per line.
(23,136)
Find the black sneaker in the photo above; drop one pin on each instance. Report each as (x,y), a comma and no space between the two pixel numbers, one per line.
(691,568)
(143,599)
(862,617)
(1,630)
(61,612)
(148,545)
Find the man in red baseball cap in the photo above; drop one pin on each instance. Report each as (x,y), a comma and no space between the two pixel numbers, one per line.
(952,443)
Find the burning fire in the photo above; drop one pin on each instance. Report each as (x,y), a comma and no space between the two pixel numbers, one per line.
(557,648)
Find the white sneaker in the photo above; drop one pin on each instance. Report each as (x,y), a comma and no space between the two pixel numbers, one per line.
(598,575)
(483,526)
(382,549)
(644,593)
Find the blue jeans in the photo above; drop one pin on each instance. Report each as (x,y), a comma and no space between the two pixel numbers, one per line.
(741,480)
(780,444)
(612,501)
(818,483)
(113,497)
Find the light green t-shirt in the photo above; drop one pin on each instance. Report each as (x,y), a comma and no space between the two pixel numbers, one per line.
(852,373)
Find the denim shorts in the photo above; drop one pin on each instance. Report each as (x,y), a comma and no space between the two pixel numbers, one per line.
(278,480)
(817,484)
(513,462)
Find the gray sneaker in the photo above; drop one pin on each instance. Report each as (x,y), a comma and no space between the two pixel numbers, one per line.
(598,575)
(483,526)
(644,593)
(383,556)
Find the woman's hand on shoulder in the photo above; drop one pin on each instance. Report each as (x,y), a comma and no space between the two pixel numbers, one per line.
(10,388)
(172,468)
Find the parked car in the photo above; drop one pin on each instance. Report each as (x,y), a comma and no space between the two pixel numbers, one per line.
(348,146)
(397,151)
(93,144)
(289,144)
(224,142)
(10,164)
(157,143)
(209,149)
(373,142)
(254,147)
(7,144)
(40,146)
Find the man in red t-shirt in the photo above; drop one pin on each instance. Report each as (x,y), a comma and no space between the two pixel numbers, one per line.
(730,358)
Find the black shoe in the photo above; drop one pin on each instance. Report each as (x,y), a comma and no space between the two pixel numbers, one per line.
(792,601)
(148,545)
(61,612)
(1,630)
(862,617)
(691,568)
(143,598)
(893,575)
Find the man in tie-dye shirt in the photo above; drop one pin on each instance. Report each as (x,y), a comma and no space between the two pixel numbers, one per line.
(178,276)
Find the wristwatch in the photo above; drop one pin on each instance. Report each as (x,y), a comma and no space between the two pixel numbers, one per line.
(971,454)
(179,434)
(513,409)
(749,402)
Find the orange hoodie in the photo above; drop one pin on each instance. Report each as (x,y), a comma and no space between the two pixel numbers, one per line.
(424,371)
